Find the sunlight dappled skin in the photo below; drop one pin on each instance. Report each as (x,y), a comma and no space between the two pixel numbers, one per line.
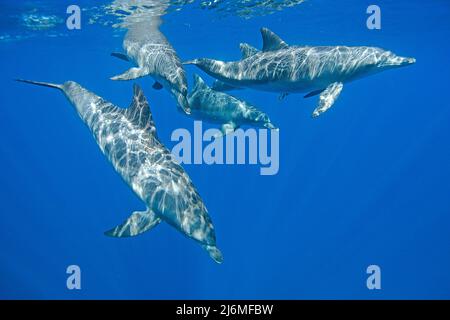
(293,69)
(128,139)
(150,50)
(219,107)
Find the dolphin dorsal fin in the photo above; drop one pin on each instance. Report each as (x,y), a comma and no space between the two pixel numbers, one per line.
(247,50)
(271,41)
(199,84)
(139,111)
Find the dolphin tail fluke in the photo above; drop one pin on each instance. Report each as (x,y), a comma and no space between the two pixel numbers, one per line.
(43,84)
(139,222)
(214,253)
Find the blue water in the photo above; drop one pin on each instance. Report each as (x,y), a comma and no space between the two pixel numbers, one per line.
(366,183)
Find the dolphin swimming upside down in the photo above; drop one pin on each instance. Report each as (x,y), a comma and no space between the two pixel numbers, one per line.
(292,69)
(153,55)
(128,139)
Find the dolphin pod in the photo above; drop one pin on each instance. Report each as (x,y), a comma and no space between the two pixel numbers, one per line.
(127,137)
(286,69)
(218,107)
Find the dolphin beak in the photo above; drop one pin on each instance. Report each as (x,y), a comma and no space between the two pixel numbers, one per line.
(407,61)
(401,62)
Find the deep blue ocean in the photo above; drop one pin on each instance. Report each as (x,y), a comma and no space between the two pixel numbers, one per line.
(366,183)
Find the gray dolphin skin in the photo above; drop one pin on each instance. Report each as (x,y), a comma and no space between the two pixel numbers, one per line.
(219,107)
(128,139)
(293,69)
(153,55)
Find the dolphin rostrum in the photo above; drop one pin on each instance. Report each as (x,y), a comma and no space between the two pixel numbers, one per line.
(153,55)
(219,107)
(128,139)
(292,69)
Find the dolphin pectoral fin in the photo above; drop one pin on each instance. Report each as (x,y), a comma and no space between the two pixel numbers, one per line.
(282,96)
(314,93)
(214,253)
(137,223)
(131,74)
(157,86)
(327,98)
(121,56)
(222,86)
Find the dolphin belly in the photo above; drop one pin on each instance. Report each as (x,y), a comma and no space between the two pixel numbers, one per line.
(156,179)
(278,85)
(281,86)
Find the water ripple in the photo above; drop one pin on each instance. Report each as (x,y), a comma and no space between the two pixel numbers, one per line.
(22,20)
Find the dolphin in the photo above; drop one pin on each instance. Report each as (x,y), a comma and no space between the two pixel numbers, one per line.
(153,55)
(293,69)
(219,107)
(128,138)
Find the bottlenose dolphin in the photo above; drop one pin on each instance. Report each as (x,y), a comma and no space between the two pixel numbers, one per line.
(153,55)
(128,139)
(219,107)
(292,69)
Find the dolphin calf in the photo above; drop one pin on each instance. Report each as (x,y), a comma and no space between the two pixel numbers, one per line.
(128,139)
(293,69)
(153,55)
(219,107)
